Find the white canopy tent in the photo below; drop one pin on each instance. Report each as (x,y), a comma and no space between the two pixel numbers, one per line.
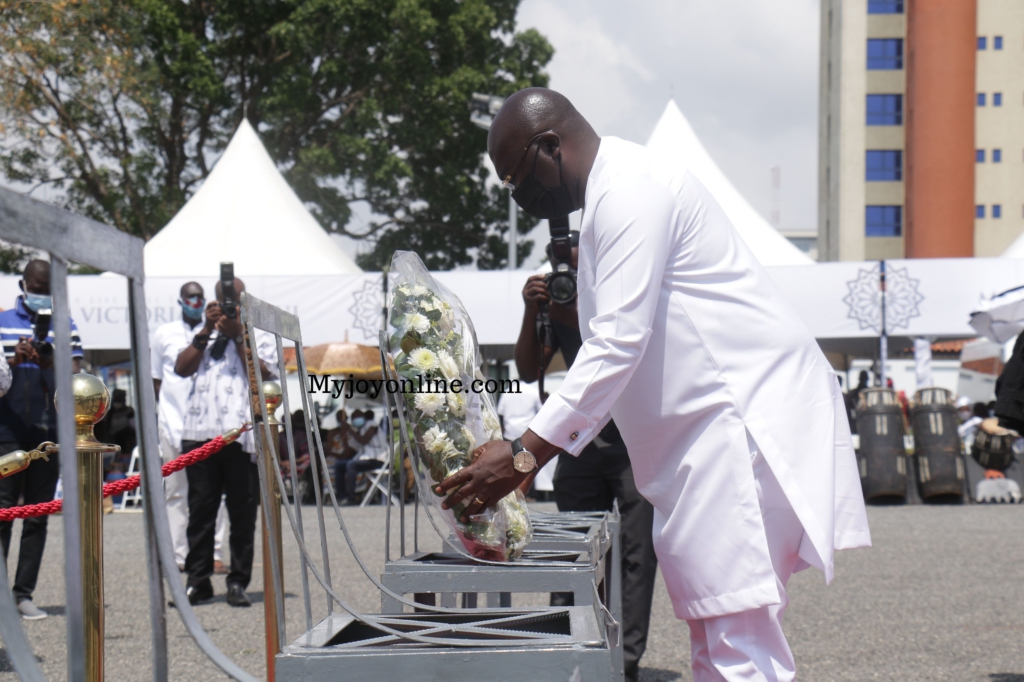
(674,141)
(245,213)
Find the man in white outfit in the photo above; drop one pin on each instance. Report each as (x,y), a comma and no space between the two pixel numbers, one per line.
(172,392)
(732,416)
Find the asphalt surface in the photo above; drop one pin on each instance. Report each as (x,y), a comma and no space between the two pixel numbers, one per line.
(938,597)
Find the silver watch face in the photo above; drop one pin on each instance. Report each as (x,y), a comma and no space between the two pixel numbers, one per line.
(524,461)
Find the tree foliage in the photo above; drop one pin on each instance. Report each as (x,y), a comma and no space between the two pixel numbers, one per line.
(121,106)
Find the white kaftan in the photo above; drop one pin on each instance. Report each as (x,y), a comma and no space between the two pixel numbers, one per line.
(690,346)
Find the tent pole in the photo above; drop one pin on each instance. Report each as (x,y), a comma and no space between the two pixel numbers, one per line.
(883,341)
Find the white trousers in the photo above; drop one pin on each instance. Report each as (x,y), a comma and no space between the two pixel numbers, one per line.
(176,496)
(750,646)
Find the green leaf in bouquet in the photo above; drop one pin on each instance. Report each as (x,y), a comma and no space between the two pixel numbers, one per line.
(410,342)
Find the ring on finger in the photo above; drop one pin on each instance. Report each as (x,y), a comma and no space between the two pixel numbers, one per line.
(478,501)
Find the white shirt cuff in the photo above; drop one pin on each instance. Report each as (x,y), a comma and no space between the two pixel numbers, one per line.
(562,426)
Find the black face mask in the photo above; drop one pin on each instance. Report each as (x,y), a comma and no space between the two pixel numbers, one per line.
(540,201)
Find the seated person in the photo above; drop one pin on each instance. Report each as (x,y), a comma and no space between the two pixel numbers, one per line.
(369,457)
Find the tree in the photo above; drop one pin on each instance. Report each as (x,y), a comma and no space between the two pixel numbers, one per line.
(122,104)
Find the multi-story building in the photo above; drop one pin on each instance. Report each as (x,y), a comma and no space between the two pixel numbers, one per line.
(921,135)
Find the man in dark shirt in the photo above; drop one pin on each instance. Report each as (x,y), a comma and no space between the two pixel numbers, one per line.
(27,418)
(601,474)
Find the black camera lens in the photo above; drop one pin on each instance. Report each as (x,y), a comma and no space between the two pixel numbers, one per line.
(562,287)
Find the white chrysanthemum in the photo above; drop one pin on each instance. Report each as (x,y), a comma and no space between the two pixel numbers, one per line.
(446,363)
(418,323)
(457,404)
(435,440)
(430,304)
(429,403)
(423,360)
(419,290)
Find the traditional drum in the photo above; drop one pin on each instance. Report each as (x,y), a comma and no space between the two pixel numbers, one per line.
(937,444)
(882,458)
(993,452)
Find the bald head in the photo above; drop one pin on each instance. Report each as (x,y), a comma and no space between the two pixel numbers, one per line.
(539,131)
(36,277)
(239,288)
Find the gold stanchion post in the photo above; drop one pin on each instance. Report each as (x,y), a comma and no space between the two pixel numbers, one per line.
(92,400)
(272,395)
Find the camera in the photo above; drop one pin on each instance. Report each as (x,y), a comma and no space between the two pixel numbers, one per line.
(41,330)
(561,282)
(228,305)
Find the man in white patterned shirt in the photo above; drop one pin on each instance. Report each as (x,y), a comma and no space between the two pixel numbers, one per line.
(220,401)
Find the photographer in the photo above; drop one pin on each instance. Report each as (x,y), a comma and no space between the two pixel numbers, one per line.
(602,473)
(219,401)
(27,418)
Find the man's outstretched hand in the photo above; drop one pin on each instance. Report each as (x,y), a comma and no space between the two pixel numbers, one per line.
(480,485)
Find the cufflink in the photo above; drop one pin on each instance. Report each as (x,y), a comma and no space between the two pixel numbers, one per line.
(574,435)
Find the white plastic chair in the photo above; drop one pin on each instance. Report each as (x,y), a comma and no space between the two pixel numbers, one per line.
(377,484)
(133,497)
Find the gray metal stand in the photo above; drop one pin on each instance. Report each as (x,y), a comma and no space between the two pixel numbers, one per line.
(552,645)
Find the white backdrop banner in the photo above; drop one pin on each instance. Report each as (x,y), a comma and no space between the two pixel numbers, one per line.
(931,297)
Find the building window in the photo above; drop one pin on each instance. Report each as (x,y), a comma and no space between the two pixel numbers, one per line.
(885,110)
(997,210)
(981,99)
(885,53)
(883,221)
(884,165)
(997,43)
(982,42)
(997,156)
(979,155)
(997,99)
(885,6)
(979,211)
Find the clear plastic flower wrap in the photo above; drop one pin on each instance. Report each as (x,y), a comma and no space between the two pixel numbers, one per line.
(434,347)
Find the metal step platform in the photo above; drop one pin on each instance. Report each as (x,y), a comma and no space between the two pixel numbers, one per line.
(550,645)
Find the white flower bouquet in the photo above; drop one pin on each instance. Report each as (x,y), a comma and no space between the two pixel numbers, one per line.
(436,357)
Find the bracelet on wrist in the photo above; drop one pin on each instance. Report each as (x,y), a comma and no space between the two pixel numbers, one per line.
(199,341)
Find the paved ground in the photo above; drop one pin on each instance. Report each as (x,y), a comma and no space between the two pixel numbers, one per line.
(939,597)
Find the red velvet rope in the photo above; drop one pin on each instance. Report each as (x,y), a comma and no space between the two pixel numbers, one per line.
(117,487)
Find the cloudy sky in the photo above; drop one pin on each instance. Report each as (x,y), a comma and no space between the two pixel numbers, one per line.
(744,72)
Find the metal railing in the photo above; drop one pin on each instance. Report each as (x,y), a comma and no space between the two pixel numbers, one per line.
(68,238)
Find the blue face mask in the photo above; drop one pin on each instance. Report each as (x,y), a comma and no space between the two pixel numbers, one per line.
(192,308)
(37,302)
(358,422)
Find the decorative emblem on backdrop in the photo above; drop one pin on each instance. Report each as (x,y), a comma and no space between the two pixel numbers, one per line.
(901,298)
(864,299)
(367,310)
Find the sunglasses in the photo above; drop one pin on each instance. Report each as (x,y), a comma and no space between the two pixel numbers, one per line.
(507,182)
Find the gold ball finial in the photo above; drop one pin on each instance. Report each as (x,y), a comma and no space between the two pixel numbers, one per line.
(92,399)
(272,396)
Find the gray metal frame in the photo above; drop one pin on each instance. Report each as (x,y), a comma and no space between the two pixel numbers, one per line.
(67,237)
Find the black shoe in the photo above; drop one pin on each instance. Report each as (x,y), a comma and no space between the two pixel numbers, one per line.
(197,594)
(237,596)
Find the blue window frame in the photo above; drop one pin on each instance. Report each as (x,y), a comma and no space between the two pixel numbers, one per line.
(883,221)
(884,165)
(982,42)
(997,99)
(885,53)
(979,156)
(979,211)
(885,110)
(997,43)
(997,156)
(997,210)
(981,99)
(885,6)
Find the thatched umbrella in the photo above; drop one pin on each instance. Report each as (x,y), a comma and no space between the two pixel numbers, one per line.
(341,359)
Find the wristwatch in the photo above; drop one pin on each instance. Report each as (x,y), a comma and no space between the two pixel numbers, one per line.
(522,459)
